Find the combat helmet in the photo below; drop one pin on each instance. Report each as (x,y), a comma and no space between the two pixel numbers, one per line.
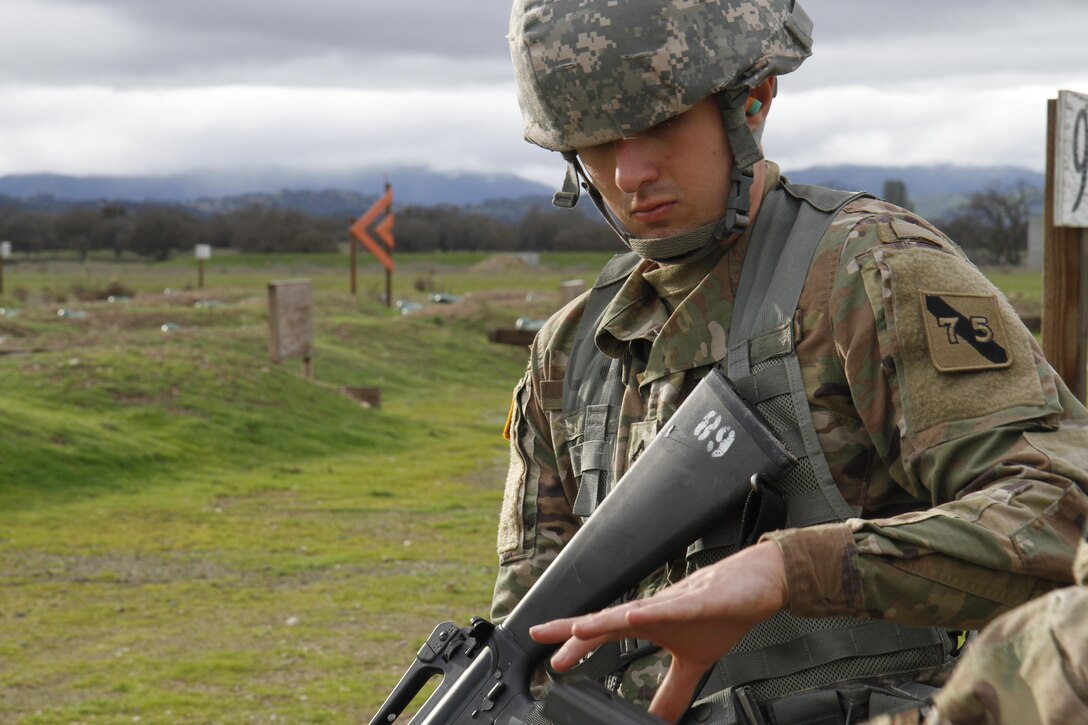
(593,71)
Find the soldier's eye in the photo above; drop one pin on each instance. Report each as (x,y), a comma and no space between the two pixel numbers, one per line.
(664,125)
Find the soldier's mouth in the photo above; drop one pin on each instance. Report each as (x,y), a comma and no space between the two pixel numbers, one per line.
(652,213)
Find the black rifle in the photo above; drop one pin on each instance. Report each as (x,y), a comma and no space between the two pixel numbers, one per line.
(697,470)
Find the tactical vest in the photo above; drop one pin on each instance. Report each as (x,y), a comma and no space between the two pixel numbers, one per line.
(786,654)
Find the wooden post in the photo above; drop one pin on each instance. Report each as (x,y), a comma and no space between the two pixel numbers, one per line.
(5,252)
(1065,280)
(388,238)
(202,252)
(570,289)
(354,256)
(291,322)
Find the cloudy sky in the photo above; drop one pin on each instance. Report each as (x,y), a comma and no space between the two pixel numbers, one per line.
(157,86)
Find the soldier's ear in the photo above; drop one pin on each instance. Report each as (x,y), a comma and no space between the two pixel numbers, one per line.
(759,103)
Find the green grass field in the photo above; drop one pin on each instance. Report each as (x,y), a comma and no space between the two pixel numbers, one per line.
(190,533)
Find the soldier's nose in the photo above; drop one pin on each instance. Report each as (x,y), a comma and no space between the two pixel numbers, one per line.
(635,164)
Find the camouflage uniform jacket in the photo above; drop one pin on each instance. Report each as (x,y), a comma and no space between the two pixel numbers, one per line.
(1028,666)
(966,468)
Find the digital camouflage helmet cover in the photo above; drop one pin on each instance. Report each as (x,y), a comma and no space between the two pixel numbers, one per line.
(593,71)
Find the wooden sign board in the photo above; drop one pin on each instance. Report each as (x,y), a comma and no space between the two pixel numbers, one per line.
(1071,162)
(290,320)
(203,251)
(1065,247)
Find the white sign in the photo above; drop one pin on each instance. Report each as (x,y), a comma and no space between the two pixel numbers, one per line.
(203,251)
(1071,187)
(5,250)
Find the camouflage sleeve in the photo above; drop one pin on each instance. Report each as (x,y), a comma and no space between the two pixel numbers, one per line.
(1030,665)
(535,521)
(964,415)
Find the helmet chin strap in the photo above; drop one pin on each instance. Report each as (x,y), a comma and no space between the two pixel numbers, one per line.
(568,196)
(746,154)
(697,243)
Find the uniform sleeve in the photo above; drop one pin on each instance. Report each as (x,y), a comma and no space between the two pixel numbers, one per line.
(967,417)
(1029,665)
(535,521)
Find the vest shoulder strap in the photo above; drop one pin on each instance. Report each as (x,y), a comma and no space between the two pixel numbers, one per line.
(788,229)
(787,654)
(762,363)
(580,385)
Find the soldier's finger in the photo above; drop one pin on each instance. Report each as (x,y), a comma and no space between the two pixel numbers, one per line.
(676,691)
(553,632)
(607,621)
(664,611)
(573,650)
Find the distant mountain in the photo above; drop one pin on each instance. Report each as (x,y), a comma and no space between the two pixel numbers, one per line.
(934,189)
(412,185)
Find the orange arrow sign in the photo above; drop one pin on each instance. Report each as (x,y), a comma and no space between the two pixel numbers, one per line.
(384,230)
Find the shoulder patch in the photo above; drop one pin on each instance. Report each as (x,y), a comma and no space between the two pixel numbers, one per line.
(517,493)
(959,350)
(964,332)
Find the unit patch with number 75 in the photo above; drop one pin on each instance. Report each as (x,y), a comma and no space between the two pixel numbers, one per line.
(964,332)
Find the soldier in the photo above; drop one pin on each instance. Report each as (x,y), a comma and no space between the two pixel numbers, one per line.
(1028,666)
(942,463)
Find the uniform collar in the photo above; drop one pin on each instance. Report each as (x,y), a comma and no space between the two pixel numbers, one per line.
(695,333)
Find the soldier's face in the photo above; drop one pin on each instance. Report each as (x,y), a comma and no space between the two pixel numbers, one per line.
(670,178)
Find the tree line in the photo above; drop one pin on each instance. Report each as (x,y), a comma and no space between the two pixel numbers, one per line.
(157,231)
(991,226)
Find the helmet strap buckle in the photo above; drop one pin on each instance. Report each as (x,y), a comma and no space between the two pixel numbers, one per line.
(738,206)
(568,196)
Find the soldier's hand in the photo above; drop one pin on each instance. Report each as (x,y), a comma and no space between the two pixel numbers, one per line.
(697,620)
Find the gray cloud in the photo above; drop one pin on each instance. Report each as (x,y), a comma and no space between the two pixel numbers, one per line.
(932,40)
(198,42)
(438,43)
(452,29)
(126,86)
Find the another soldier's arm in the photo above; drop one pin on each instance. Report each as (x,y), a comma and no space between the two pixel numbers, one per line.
(1030,665)
(536,521)
(965,414)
